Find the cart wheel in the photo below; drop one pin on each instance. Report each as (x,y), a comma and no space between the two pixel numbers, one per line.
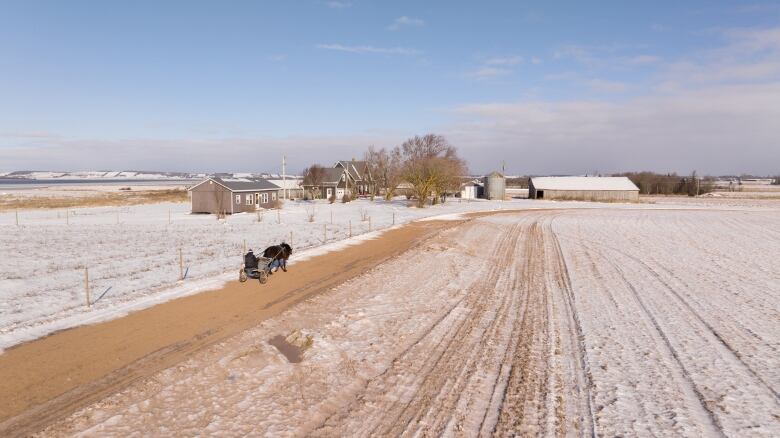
(262,277)
(241,276)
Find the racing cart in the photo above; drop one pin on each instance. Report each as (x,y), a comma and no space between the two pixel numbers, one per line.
(260,273)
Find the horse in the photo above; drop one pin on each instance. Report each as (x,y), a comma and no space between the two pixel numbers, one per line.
(279,253)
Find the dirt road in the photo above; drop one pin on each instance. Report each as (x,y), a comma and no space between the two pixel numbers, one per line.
(580,323)
(51,377)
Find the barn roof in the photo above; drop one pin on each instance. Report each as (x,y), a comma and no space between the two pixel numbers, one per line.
(596,183)
(242,186)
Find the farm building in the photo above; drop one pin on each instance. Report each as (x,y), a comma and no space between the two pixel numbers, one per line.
(593,188)
(471,190)
(215,195)
(495,186)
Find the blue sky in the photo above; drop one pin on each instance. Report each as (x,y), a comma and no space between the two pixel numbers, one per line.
(550,87)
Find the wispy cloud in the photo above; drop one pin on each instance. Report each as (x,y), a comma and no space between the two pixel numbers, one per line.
(369,49)
(488,72)
(337,4)
(606,86)
(405,21)
(536,61)
(505,60)
(642,59)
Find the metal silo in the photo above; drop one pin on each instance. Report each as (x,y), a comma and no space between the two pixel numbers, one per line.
(495,186)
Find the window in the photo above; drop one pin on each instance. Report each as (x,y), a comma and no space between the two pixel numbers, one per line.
(264,198)
(249,199)
(273,196)
(238,199)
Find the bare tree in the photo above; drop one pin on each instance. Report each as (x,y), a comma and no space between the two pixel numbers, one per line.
(313,176)
(386,168)
(431,166)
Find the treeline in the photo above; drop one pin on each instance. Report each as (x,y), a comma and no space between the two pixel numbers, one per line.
(651,183)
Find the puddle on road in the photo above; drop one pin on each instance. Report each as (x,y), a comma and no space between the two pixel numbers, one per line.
(293,353)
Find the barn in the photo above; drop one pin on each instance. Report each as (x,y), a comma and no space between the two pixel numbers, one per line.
(589,188)
(215,195)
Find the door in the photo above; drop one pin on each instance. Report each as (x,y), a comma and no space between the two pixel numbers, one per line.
(330,192)
(339,193)
(257,201)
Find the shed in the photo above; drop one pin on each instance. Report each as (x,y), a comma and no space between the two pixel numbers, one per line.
(495,186)
(584,188)
(215,195)
(471,190)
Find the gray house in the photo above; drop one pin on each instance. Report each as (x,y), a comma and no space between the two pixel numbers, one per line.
(215,195)
(334,181)
(360,173)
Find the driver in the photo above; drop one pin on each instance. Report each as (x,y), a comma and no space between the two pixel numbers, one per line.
(250,261)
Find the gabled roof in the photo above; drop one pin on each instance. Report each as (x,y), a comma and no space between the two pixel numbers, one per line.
(355,168)
(241,186)
(598,183)
(332,175)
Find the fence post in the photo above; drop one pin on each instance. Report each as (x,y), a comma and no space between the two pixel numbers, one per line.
(17,217)
(181,265)
(278,217)
(350,228)
(86,285)
(331,217)
(324,233)
(393,218)
(369,224)
(291,238)
(244,246)
(67,216)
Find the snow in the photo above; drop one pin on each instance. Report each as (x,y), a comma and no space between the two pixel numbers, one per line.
(674,311)
(132,254)
(583,183)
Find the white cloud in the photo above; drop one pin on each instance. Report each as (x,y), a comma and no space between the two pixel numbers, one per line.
(642,59)
(536,61)
(506,60)
(405,21)
(369,49)
(337,4)
(488,72)
(606,86)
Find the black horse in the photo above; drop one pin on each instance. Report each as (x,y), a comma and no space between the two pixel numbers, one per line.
(281,253)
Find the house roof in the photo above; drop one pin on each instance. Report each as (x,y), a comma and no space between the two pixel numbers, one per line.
(241,186)
(353,167)
(598,183)
(332,175)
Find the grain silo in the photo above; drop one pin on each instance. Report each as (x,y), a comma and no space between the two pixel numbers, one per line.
(495,186)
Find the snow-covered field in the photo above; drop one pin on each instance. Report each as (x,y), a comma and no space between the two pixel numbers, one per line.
(594,322)
(132,254)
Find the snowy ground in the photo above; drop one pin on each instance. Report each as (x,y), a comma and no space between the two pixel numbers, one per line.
(132,254)
(595,322)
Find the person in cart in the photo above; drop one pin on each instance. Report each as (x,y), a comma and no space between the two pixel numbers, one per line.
(250,262)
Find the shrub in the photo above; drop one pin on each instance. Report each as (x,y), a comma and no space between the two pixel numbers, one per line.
(346,198)
(332,198)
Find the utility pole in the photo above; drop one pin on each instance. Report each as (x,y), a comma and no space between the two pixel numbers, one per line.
(284,176)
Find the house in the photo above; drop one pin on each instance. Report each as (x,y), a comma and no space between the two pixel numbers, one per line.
(361,176)
(215,195)
(589,188)
(331,181)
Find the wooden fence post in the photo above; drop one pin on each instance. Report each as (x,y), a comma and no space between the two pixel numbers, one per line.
(291,238)
(181,265)
(86,285)
(244,246)
(278,217)
(350,228)
(393,218)
(17,217)
(67,216)
(331,217)
(369,224)
(324,233)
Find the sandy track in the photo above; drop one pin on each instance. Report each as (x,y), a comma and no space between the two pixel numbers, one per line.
(539,323)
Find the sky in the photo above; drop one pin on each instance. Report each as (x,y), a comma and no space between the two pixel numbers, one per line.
(546,87)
